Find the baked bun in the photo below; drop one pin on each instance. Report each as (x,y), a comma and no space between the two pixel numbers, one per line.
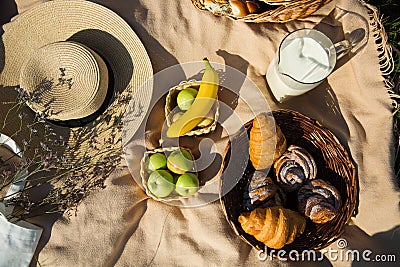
(294,168)
(319,200)
(262,192)
(252,6)
(239,8)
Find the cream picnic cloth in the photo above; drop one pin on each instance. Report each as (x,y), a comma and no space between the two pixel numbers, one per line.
(119,226)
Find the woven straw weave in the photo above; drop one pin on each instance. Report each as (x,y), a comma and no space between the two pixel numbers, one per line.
(170,104)
(106,33)
(144,174)
(69,78)
(273,10)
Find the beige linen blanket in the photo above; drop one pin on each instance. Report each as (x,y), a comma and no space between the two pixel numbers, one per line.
(120,226)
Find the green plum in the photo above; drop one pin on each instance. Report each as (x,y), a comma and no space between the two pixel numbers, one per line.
(180,161)
(186,97)
(187,184)
(160,183)
(156,161)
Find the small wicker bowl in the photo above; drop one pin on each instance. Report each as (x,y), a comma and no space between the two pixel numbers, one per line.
(170,105)
(144,174)
(333,163)
(272,10)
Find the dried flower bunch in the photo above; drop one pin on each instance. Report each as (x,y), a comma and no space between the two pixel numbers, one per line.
(60,172)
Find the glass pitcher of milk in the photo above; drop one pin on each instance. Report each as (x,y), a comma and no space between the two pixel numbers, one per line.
(305,58)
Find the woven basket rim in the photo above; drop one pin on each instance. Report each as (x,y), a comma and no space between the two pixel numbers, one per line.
(167,109)
(350,204)
(144,174)
(285,11)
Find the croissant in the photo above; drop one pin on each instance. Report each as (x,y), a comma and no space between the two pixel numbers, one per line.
(319,200)
(262,192)
(294,168)
(267,142)
(274,226)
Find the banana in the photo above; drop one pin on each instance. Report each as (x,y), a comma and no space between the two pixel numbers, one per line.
(201,105)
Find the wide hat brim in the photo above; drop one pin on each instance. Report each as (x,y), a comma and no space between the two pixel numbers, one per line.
(111,37)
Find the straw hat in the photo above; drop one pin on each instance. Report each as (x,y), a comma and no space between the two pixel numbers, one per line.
(95,64)
(69,80)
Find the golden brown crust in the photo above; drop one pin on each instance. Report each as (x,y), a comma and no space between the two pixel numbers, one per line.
(252,6)
(239,8)
(262,192)
(319,200)
(294,168)
(267,142)
(274,226)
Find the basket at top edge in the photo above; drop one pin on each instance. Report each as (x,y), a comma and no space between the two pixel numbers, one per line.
(333,164)
(170,104)
(144,174)
(270,11)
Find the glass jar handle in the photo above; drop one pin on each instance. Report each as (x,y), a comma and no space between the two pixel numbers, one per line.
(342,48)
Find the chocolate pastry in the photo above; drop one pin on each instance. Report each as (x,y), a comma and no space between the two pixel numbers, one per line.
(294,168)
(319,200)
(274,226)
(262,192)
(267,142)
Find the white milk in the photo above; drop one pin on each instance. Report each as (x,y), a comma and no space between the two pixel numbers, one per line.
(305,60)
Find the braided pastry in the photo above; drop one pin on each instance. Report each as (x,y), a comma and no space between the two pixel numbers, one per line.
(319,200)
(274,226)
(262,192)
(294,167)
(267,142)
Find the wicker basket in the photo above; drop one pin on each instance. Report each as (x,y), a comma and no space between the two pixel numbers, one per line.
(145,174)
(274,10)
(333,163)
(170,105)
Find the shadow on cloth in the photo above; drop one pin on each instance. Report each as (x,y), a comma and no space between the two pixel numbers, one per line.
(48,221)
(2,55)
(133,216)
(332,26)
(8,97)
(322,104)
(8,10)
(383,244)
(133,12)
(232,81)
(91,38)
